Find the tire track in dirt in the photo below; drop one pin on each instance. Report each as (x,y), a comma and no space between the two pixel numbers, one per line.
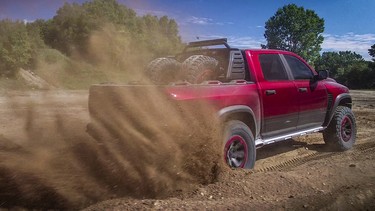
(358,149)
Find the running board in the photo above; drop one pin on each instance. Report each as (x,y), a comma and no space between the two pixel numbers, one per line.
(261,142)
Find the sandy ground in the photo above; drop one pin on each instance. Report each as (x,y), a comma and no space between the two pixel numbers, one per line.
(47,161)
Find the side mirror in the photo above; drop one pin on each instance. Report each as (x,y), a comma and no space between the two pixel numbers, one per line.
(322,74)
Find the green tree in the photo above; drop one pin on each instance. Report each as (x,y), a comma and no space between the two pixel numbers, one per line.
(371,51)
(35,31)
(15,47)
(355,75)
(69,29)
(348,68)
(110,11)
(104,32)
(158,35)
(337,62)
(371,74)
(295,29)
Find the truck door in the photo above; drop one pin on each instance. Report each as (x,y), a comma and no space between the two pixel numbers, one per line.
(278,92)
(312,95)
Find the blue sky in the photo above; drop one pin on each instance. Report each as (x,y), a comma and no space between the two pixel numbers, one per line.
(349,24)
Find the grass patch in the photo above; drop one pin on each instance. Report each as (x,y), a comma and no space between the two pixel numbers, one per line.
(13,84)
(64,72)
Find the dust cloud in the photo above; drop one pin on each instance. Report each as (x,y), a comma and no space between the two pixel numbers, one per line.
(174,140)
(143,145)
(118,55)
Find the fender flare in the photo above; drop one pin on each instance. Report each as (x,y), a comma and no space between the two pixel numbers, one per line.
(338,100)
(224,113)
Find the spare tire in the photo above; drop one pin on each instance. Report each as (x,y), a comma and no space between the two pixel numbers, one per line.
(163,70)
(200,68)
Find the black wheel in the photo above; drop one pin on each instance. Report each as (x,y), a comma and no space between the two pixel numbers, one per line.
(200,68)
(239,149)
(163,70)
(341,132)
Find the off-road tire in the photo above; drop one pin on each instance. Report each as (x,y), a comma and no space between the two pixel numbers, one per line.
(163,70)
(341,132)
(200,68)
(239,145)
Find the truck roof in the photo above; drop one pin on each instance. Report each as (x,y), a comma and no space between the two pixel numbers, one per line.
(269,51)
(224,42)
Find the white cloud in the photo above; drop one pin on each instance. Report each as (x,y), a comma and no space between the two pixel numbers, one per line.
(199,20)
(205,21)
(359,43)
(25,21)
(225,23)
(245,42)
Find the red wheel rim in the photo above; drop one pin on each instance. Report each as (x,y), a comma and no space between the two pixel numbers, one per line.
(346,129)
(235,152)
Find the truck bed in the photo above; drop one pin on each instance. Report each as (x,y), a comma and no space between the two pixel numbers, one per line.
(111,106)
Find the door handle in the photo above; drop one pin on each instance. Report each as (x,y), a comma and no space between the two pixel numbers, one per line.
(302,89)
(270,92)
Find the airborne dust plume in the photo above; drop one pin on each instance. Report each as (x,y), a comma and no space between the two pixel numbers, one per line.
(151,150)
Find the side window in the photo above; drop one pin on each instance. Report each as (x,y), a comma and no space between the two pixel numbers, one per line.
(298,68)
(272,67)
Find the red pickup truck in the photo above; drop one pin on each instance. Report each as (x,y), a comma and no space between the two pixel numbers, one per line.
(260,96)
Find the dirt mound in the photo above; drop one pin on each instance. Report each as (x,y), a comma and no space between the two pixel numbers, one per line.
(34,80)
